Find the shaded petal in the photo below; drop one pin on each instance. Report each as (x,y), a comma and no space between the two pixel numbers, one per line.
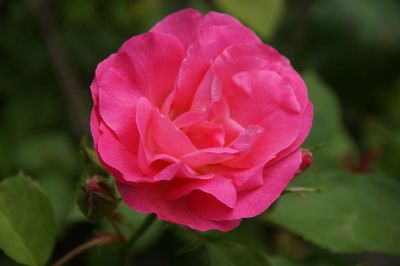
(243,179)
(148,198)
(253,202)
(219,187)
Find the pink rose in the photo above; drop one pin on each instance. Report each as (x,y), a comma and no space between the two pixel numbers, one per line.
(199,121)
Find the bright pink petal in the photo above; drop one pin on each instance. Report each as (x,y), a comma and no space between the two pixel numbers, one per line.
(219,187)
(219,19)
(204,157)
(169,138)
(118,160)
(145,65)
(189,118)
(272,106)
(182,24)
(243,179)
(306,124)
(258,56)
(148,198)
(232,128)
(212,40)
(94,125)
(101,68)
(206,135)
(158,134)
(253,202)
(209,91)
(247,138)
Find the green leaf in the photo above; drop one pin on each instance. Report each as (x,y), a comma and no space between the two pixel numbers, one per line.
(355,213)
(322,260)
(27,223)
(225,253)
(328,128)
(261,15)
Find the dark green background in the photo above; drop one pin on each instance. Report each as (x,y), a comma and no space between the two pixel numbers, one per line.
(351,48)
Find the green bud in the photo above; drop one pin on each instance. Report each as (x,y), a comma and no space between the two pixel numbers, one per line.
(96,198)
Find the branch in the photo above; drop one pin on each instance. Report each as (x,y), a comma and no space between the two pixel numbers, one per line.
(71,85)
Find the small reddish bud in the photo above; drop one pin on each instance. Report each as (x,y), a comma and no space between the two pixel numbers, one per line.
(305,162)
(96,198)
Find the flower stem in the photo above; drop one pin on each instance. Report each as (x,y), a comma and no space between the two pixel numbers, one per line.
(99,240)
(136,236)
(117,229)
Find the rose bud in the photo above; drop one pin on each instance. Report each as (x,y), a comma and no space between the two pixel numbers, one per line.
(96,198)
(306,161)
(199,121)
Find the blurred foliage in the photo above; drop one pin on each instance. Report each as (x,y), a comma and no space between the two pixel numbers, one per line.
(349,54)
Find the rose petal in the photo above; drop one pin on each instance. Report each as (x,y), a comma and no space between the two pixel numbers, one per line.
(243,179)
(148,198)
(117,159)
(252,202)
(204,157)
(270,106)
(219,187)
(101,68)
(145,65)
(94,125)
(306,124)
(182,24)
(247,138)
(211,41)
(206,135)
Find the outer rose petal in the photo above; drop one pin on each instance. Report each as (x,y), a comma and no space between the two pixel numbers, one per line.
(145,65)
(258,56)
(148,198)
(100,70)
(221,188)
(252,202)
(270,105)
(212,40)
(306,124)
(182,24)
(94,88)
(94,125)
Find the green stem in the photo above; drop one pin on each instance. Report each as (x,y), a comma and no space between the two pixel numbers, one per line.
(117,229)
(136,236)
